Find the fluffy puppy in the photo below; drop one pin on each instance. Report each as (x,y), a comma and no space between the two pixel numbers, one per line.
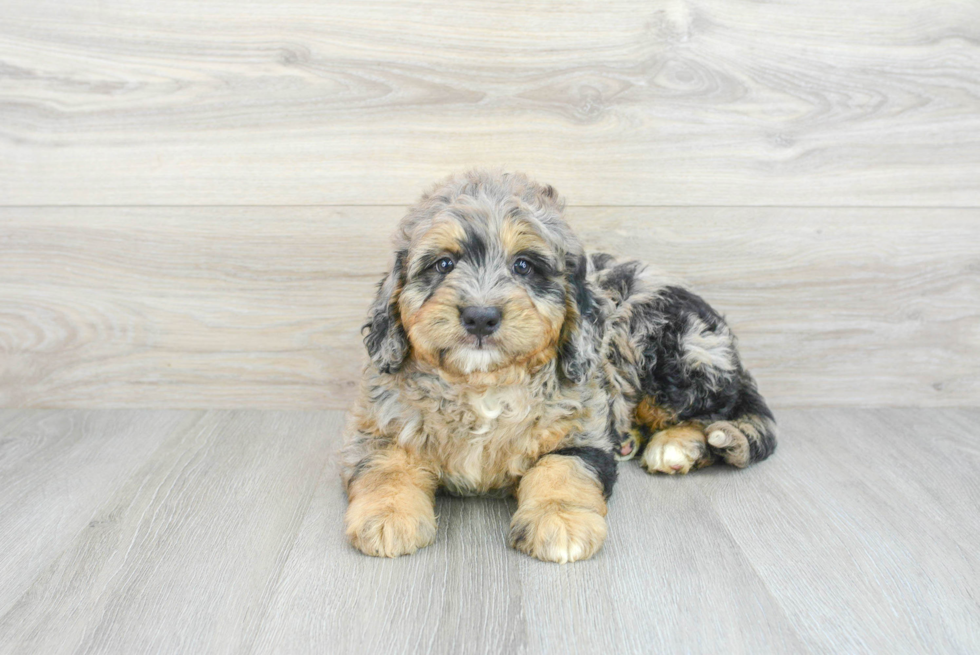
(503,359)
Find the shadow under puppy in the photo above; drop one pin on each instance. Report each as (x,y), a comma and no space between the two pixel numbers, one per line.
(503,359)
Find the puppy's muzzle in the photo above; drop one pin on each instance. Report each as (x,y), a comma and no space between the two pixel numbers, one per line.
(480,321)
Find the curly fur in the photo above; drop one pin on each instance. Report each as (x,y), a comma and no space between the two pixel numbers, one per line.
(593,360)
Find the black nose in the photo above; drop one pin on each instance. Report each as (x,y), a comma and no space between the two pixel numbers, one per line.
(480,321)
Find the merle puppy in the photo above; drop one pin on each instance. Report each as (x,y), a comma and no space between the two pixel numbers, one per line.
(503,359)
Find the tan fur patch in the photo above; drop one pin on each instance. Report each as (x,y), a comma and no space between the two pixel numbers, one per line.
(560,511)
(654,417)
(528,328)
(391,508)
(516,236)
(433,325)
(677,450)
(649,415)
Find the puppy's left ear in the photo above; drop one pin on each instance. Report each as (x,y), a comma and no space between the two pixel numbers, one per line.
(386,341)
(577,354)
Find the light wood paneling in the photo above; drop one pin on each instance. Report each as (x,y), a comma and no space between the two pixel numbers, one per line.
(625,102)
(261,307)
(704,107)
(225,535)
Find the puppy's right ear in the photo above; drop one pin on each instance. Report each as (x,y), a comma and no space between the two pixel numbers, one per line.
(386,341)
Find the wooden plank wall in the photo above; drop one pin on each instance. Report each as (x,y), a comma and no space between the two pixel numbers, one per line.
(195,196)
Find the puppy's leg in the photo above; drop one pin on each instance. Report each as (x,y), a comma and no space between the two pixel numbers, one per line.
(745,434)
(747,437)
(561,508)
(391,508)
(621,386)
(627,436)
(750,435)
(632,324)
(699,403)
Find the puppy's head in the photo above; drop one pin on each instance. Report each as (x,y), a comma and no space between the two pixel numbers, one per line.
(486,275)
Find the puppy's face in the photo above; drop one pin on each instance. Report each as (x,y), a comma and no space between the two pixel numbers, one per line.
(484,278)
(482,291)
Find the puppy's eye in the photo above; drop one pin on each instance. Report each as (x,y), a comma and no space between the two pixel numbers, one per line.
(522,266)
(445,265)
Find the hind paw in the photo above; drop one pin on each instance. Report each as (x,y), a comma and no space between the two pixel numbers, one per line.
(629,446)
(729,442)
(677,450)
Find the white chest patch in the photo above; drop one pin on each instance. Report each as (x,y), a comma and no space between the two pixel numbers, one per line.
(491,439)
(472,454)
(483,439)
(495,407)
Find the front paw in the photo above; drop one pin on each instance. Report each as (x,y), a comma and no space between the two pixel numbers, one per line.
(391,526)
(630,443)
(676,451)
(557,532)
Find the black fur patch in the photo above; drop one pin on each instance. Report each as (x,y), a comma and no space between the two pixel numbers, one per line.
(474,246)
(751,403)
(377,330)
(601,261)
(600,462)
(383,324)
(572,369)
(672,384)
(541,281)
(577,268)
(621,279)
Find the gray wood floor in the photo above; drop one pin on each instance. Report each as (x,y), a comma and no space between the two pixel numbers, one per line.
(125,531)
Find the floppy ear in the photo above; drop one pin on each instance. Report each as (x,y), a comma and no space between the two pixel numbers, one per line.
(385,339)
(577,354)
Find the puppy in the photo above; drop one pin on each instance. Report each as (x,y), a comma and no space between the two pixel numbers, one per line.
(503,359)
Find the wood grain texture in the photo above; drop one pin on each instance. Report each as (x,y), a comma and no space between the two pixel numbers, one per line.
(837,529)
(183,553)
(54,468)
(626,102)
(859,535)
(261,307)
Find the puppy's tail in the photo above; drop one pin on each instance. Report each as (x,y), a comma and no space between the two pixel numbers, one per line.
(748,437)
